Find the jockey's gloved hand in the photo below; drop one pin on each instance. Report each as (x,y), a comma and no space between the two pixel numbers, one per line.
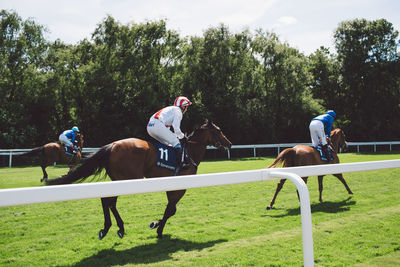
(329,140)
(184,140)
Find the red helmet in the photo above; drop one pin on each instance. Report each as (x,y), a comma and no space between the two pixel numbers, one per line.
(182,101)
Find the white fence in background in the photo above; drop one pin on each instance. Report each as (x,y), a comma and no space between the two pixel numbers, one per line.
(11,152)
(31,195)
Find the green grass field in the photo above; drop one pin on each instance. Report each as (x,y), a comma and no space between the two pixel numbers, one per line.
(214,226)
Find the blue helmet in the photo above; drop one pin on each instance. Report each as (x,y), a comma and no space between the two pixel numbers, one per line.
(75,129)
(332,113)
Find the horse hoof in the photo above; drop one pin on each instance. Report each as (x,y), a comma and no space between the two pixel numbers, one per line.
(153,225)
(102,234)
(268,207)
(121,233)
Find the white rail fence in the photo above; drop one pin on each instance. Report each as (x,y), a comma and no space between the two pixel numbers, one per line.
(32,195)
(11,152)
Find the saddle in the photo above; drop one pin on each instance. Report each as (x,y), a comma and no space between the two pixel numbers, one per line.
(71,151)
(166,157)
(322,155)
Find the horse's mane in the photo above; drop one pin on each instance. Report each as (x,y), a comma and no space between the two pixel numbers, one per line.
(336,130)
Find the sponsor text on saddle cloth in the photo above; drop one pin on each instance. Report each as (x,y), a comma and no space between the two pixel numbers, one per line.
(166,156)
(322,155)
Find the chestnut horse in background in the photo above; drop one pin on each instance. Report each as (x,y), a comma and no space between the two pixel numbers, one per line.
(55,152)
(134,158)
(302,155)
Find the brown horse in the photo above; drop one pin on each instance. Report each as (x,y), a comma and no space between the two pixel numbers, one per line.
(302,155)
(54,152)
(134,159)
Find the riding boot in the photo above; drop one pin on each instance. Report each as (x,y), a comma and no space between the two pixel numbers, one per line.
(178,154)
(326,152)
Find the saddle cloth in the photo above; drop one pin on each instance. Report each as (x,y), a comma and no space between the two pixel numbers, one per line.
(322,155)
(166,156)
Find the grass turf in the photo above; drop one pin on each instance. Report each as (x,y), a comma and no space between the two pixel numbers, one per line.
(214,226)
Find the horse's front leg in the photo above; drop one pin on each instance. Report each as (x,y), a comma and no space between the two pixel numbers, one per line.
(170,210)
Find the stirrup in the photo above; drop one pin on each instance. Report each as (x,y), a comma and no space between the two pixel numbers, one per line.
(177,170)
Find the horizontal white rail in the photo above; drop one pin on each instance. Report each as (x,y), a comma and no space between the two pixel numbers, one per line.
(31,195)
(11,152)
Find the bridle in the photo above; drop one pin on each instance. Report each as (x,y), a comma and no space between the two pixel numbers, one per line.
(217,144)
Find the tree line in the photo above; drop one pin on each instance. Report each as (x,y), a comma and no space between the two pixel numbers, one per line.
(257,88)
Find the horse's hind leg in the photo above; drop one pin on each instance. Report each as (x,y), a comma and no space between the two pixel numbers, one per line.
(305,179)
(278,188)
(120,223)
(340,177)
(320,187)
(105,202)
(170,210)
(44,179)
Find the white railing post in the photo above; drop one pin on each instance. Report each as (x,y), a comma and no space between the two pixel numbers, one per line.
(305,210)
(10,159)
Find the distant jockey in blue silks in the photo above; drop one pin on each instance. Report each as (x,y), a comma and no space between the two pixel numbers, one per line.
(67,138)
(320,130)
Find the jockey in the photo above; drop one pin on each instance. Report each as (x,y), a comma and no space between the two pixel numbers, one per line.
(160,123)
(67,138)
(318,127)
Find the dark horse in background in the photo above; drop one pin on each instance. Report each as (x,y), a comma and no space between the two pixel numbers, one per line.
(55,152)
(134,159)
(302,155)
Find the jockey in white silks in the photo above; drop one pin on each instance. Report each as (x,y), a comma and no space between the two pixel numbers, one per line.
(160,123)
(320,129)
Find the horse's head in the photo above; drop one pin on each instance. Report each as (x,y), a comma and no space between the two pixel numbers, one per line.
(79,141)
(211,134)
(339,139)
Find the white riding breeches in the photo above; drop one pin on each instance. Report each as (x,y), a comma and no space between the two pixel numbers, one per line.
(158,131)
(317,133)
(64,140)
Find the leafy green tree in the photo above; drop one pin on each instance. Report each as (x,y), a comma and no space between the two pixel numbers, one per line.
(128,78)
(284,85)
(22,50)
(367,53)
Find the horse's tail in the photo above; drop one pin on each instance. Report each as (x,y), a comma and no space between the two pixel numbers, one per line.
(34,152)
(286,156)
(93,164)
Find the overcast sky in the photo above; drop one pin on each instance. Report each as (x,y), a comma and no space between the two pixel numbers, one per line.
(304,24)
